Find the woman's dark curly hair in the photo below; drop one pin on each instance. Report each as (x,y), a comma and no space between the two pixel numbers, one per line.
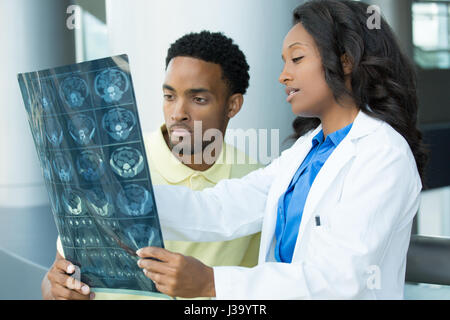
(216,48)
(383,80)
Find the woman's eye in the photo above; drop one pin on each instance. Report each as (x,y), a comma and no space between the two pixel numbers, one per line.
(297,59)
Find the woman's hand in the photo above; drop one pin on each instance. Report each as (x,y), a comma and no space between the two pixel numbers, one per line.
(177,275)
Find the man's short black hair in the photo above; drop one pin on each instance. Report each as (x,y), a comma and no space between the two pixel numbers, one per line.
(215,48)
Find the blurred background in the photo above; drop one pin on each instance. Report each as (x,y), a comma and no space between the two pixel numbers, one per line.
(40,34)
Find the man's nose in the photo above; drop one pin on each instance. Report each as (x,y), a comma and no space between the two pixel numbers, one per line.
(180,112)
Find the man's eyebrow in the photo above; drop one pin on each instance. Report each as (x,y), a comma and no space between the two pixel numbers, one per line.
(166,86)
(197,90)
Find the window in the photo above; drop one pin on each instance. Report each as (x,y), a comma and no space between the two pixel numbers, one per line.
(431,33)
(91,40)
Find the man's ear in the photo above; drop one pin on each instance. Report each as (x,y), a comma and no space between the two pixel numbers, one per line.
(347,64)
(234,104)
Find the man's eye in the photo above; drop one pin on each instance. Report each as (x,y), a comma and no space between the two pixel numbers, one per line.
(200,100)
(168,97)
(295,60)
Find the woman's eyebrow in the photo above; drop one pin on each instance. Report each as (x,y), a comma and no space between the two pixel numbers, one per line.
(298,44)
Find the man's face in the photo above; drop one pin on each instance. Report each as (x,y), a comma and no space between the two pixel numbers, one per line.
(194,90)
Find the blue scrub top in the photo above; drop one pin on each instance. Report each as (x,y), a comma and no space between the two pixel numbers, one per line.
(292,202)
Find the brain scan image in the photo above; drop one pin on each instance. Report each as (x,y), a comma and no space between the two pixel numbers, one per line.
(46,167)
(55,204)
(125,271)
(45,97)
(77,223)
(72,202)
(38,140)
(94,259)
(111,84)
(66,240)
(53,131)
(90,165)
(127,162)
(63,167)
(134,200)
(85,125)
(119,123)
(90,241)
(37,133)
(100,202)
(141,235)
(109,223)
(74,91)
(81,129)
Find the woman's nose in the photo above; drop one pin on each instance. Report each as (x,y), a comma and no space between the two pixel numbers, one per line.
(284,77)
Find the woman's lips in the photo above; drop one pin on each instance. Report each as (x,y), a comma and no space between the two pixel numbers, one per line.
(291,92)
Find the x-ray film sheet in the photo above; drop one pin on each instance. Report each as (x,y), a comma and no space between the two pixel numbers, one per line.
(85,125)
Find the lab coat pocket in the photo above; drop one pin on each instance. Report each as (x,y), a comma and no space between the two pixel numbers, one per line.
(319,233)
(320,221)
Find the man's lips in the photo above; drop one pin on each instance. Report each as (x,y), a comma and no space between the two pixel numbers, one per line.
(180,131)
(291,92)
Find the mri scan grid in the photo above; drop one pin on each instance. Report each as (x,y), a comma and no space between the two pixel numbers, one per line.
(86,129)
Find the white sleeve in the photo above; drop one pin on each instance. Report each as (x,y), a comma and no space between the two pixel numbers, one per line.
(231,209)
(380,196)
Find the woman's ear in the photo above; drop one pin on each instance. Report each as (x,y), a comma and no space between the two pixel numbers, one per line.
(234,104)
(347,64)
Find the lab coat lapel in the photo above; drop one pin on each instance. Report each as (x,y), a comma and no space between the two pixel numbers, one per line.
(344,152)
(301,150)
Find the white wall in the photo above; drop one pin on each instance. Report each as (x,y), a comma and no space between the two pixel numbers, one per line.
(145,29)
(34,36)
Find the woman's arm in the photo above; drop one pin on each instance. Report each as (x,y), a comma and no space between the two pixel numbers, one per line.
(233,208)
(380,197)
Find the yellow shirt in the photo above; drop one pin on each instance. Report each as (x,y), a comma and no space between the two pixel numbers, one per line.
(166,169)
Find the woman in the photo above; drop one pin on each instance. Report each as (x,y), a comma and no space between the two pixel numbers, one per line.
(336,209)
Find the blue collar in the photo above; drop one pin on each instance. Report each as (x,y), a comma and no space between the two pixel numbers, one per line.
(335,138)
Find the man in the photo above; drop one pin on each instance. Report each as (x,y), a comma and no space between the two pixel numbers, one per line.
(206,78)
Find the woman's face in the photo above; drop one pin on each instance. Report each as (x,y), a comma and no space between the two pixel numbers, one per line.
(303,74)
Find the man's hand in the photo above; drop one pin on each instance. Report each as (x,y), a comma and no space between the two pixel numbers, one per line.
(177,275)
(59,285)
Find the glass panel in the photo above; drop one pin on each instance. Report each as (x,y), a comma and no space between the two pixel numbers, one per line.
(434,213)
(431,30)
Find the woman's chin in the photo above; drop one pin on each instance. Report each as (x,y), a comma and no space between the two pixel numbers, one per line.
(303,112)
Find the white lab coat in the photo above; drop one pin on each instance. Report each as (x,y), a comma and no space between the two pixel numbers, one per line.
(366,195)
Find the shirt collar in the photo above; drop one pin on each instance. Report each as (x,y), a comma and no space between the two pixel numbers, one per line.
(339,135)
(318,138)
(335,138)
(363,125)
(174,171)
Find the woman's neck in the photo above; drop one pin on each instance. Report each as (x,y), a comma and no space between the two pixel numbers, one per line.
(338,116)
